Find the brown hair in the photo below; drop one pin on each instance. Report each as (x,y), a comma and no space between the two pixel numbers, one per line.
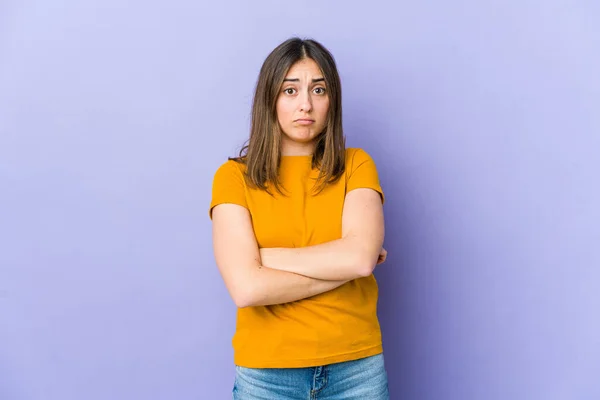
(262,152)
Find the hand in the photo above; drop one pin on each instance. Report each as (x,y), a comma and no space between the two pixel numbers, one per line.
(382,256)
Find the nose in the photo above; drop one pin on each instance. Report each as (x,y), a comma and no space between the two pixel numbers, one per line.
(305,102)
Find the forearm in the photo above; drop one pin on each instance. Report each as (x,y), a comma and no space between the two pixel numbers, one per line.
(267,286)
(341,259)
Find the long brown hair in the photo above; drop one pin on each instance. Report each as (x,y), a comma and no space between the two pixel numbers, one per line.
(262,152)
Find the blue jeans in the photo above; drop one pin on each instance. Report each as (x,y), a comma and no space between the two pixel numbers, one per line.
(364,379)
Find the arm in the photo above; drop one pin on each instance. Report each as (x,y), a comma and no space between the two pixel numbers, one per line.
(353,256)
(238,259)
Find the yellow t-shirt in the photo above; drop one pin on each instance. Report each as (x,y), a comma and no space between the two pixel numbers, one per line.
(339,325)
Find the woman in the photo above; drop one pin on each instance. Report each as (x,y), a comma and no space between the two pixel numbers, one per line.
(298,229)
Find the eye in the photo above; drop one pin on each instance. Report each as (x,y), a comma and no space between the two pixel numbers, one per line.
(319,90)
(289,91)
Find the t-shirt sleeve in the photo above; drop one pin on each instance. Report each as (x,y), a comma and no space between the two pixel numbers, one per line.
(228,186)
(363,173)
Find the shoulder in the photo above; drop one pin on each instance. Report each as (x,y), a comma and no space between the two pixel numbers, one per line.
(228,185)
(231,168)
(231,172)
(361,171)
(355,157)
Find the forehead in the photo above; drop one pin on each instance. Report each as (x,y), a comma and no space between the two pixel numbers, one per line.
(305,67)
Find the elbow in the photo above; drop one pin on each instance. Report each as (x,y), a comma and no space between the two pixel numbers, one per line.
(244,296)
(246,290)
(365,266)
(241,301)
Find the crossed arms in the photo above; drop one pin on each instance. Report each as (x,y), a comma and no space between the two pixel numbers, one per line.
(258,277)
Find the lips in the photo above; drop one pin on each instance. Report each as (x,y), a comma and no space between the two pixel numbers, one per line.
(304,121)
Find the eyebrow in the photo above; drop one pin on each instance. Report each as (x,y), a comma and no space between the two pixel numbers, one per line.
(298,80)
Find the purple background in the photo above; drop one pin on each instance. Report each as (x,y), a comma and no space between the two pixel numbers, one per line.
(484,120)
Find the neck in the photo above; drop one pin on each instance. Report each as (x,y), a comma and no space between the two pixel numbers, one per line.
(289,148)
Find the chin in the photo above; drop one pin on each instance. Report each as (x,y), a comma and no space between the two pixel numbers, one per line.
(304,137)
(303,140)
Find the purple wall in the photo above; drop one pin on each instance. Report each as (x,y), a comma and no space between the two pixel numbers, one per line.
(484,119)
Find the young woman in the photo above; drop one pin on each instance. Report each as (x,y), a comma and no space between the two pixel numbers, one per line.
(298,229)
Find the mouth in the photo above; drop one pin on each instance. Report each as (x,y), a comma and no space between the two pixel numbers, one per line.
(305,121)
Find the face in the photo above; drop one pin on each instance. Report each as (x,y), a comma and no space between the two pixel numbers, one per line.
(302,107)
